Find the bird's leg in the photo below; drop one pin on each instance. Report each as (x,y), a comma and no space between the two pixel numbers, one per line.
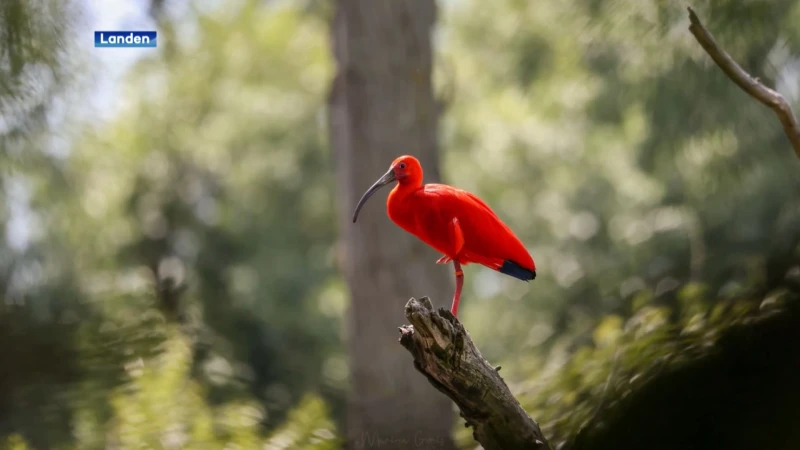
(459,283)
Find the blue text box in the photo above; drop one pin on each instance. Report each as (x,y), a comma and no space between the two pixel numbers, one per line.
(122,39)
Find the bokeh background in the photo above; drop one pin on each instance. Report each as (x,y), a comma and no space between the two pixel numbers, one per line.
(171,268)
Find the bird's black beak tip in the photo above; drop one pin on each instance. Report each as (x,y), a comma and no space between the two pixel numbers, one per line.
(387,178)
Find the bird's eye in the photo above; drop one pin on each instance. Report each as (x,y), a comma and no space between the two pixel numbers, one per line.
(402,165)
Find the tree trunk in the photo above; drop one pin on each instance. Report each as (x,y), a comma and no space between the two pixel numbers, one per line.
(382,106)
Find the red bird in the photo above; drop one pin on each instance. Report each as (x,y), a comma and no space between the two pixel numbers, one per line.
(454,222)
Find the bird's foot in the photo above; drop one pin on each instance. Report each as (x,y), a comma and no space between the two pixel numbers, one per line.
(444,260)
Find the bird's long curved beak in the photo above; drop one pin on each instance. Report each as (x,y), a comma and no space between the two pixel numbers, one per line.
(387,178)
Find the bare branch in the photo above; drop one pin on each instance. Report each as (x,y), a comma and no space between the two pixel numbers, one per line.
(445,354)
(749,84)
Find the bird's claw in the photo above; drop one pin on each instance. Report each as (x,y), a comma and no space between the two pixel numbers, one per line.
(444,260)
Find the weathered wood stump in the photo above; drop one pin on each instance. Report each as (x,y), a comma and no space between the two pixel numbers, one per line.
(445,354)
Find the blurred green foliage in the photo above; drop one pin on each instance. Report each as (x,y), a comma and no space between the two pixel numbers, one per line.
(36,60)
(620,153)
(180,290)
(634,371)
(659,201)
(170,281)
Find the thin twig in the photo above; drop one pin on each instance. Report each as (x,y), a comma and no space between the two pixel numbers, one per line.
(749,84)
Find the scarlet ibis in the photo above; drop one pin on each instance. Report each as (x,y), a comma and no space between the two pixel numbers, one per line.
(452,221)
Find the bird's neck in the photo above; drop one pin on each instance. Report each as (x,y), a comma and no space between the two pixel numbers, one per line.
(405,188)
(396,204)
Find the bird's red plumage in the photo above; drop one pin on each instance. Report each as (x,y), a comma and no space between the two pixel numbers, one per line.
(428,212)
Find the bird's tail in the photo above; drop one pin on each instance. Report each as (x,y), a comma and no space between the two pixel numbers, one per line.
(515,270)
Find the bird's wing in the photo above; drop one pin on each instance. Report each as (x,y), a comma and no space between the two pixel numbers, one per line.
(458,236)
(436,220)
(485,238)
(457,202)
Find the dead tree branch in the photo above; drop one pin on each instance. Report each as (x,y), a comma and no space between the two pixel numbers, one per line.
(445,354)
(751,85)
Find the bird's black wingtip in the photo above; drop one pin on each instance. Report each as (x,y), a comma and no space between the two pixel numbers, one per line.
(513,269)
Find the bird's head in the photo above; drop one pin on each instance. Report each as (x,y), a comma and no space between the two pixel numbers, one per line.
(405,170)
